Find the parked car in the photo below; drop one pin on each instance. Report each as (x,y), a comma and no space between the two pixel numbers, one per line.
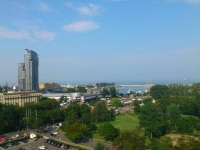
(58,145)
(10,144)
(43,147)
(49,141)
(14,137)
(15,143)
(52,134)
(4,146)
(65,146)
(56,133)
(24,141)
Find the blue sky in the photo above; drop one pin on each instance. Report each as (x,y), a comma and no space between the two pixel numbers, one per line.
(102,41)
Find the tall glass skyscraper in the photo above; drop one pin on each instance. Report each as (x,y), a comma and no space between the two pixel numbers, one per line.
(28,72)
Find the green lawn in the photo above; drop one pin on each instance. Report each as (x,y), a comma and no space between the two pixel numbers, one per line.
(122,121)
(125,122)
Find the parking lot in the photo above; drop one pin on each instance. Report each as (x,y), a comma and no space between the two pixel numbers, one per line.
(85,143)
(32,145)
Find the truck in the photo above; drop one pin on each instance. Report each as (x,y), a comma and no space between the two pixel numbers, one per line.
(33,136)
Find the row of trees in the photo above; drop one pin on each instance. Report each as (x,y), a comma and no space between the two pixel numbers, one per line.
(109,92)
(35,115)
(81,89)
(104,84)
(158,91)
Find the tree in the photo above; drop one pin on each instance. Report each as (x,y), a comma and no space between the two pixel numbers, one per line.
(0,89)
(105,92)
(108,131)
(81,89)
(147,100)
(152,120)
(91,126)
(75,130)
(85,113)
(70,90)
(101,112)
(136,105)
(157,91)
(174,114)
(116,102)
(4,89)
(185,125)
(99,146)
(113,92)
(72,113)
(165,143)
(63,99)
(129,140)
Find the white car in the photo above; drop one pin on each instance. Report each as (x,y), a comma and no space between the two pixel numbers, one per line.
(56,133)
(42,147)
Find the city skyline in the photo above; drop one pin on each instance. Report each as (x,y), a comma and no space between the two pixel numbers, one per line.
(102,41)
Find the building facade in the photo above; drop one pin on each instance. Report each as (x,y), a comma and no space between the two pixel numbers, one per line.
(48,85)
(28,72)
(19,98)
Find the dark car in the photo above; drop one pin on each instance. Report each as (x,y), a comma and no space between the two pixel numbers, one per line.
(52,142)
(58,145)
(46,141)
(52,134)
(7,138)
(24,141)
(15,143)
(49,141)
(66,146)
(4,146)
(55,143)
(21,148)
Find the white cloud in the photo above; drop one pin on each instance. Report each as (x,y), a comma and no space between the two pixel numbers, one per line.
(81,26)
(43,6)
(87,10)
(44,35)
(19,5)
(28,34)
(10,34)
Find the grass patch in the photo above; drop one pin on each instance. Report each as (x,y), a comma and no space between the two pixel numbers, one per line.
(122,121)
(125,122)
